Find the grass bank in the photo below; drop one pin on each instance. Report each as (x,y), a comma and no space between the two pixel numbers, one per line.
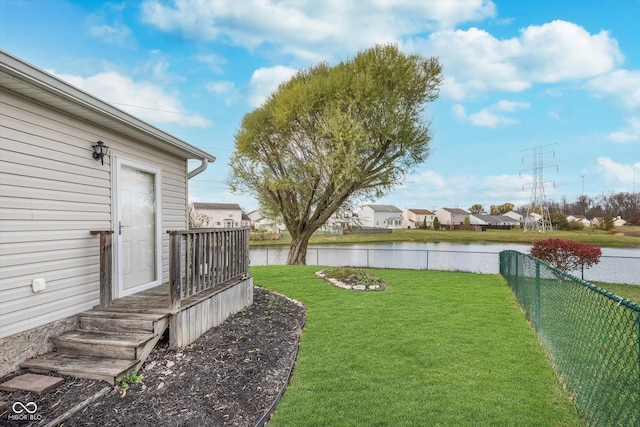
(631,237)
(630,292)
(435,349)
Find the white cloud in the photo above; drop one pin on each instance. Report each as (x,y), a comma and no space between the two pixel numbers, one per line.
(621,85)
(214,62)
(487,116)
(489,119)
(505,105)
(119,34)
(459,112)
(618,176)
(433,190)
(630,133)
(266,80)
(144,100)
(226,89)
(310,30)
(106,25)
(476,62)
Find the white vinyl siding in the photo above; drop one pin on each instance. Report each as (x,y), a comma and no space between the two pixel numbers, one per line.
(52,193)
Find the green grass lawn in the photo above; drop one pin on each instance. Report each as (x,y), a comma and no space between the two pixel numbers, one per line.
(435,349)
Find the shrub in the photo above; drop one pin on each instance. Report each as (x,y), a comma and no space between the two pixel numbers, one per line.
(355,276)
(566,255)
(264,235)
(574,225)
(608,223)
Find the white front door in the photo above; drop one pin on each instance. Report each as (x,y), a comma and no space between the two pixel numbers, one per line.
(137,231)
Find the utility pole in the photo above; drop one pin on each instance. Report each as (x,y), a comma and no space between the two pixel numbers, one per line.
(538,205)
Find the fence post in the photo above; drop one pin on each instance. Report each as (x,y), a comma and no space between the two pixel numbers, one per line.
(427,260)
(517,272)
(537,326)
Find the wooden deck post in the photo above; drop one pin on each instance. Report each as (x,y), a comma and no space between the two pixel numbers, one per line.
(106,256)
(175,275)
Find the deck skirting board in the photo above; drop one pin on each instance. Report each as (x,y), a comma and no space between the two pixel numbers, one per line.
(192,321)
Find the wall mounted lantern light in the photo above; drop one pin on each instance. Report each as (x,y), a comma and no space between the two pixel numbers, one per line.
(99,151)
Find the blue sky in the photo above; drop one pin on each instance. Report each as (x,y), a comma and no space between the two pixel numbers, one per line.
(518,74)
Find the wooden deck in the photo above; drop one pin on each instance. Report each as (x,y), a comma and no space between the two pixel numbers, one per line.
(111,341)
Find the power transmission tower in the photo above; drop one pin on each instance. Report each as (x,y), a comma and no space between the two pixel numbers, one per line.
(537,215)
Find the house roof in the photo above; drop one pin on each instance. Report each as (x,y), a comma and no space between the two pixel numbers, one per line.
(456,211)
(27,80)
(217,206)
(493,219)
(384,208)
(421,211)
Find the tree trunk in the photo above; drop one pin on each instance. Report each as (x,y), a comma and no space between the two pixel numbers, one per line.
(298,248)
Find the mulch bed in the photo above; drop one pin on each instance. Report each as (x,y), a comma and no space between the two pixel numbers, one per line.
(230,376)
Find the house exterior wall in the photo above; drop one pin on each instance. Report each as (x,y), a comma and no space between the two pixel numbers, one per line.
(448,216)
(414,220)
(515,215)
(221,218)
(371,218)
(366,217)
(52,193)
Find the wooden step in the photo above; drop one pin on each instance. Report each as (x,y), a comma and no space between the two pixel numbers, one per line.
(115,322)
(97,368)
(115,345)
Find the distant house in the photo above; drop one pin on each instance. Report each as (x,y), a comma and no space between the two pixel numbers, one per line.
(515,215)
(221,215)
(414,218)
(260,222)
(387,216)
(501,220)
(599,221)
(619,222)
(581,219)
(245,221)
(448,216)
(340,220)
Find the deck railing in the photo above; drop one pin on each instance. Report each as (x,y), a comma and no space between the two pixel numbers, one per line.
(106,254)
(200,259)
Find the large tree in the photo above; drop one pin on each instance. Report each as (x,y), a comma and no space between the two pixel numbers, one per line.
(476,209)
(332,135)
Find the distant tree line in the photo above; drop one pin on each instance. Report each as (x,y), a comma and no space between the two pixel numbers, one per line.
(625,205)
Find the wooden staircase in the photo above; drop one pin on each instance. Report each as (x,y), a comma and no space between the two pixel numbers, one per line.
(108,343)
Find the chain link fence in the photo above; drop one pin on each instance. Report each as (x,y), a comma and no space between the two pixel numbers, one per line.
(591,335)
(610,269)
(613,269)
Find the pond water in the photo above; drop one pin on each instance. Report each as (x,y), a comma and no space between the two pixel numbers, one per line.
(617,265)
